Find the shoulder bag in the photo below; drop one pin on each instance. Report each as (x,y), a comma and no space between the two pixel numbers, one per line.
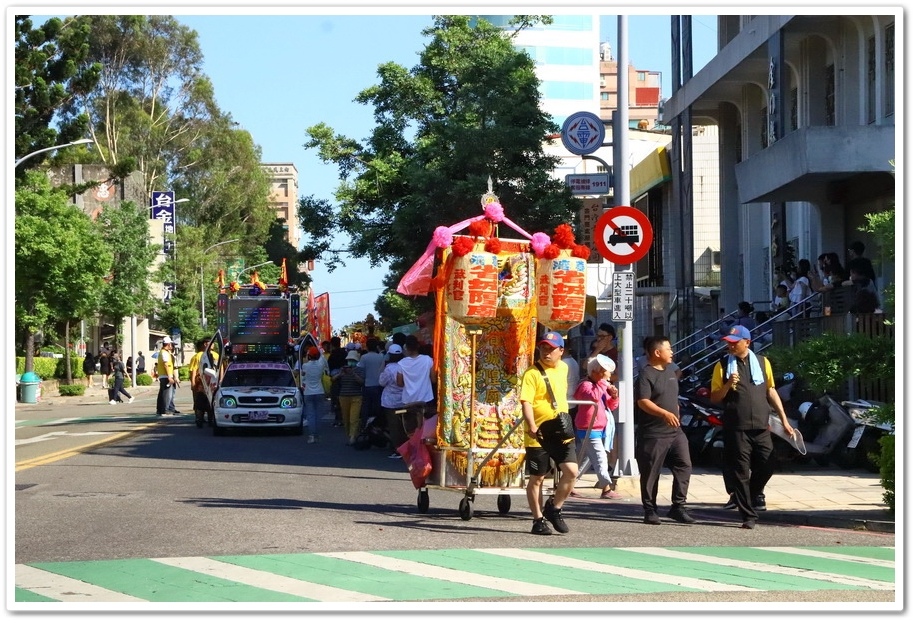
(558,429)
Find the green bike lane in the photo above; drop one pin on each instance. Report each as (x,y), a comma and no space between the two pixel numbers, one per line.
(454,574)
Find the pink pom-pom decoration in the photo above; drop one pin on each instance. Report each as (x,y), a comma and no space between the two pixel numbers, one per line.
(539,242)
(494,212)
(442,237)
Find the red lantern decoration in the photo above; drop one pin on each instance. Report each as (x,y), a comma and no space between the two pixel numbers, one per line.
(560,284)
(471,285)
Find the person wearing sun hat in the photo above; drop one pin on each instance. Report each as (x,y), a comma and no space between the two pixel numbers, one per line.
(743,383)
(590,433)
(543,397)
(351,380)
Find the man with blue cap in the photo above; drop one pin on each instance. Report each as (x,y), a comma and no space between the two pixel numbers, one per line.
(743,382)
(544,405)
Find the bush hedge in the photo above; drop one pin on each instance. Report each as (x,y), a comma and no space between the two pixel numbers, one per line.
(144,379)
(71,390)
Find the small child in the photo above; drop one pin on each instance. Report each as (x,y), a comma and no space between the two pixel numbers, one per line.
(781,300)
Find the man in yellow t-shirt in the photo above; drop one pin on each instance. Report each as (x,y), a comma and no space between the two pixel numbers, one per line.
(168,377)
(538,408)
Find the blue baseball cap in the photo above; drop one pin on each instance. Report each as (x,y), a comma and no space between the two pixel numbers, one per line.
(737,333)
(553,338)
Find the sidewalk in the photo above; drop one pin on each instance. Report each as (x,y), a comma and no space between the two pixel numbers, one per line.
(803,495)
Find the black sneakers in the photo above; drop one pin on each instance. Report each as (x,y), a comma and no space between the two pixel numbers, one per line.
(555,516)
(749,524)
(540,527)
(651,517)
(732,503)
(680,515)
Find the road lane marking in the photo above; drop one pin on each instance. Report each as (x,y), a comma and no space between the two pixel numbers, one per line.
(636,574)
(766,568)
(266,580)
(62,588)
(65,454)
(451,575)
(60,433)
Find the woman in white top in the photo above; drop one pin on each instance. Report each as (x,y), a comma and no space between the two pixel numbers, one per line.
(313,394)
(802,288)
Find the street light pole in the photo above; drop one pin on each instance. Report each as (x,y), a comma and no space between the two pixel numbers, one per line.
(81,141)
(247,268)
(203,315)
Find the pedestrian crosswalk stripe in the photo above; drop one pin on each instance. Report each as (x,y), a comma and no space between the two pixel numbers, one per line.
(485,581)
(830,556)
(265,580)
(62,588)
(631,574)
(453,574)
(796,572)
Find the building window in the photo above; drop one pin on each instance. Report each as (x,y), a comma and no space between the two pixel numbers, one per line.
(830,96)
(870,87)
(889,70)
(641,76)
(605,96)
(793,121)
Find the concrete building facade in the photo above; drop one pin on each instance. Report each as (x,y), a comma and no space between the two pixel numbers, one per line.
(284,196)
(805,107)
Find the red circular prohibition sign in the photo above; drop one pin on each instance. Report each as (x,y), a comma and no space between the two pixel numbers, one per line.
(623,235)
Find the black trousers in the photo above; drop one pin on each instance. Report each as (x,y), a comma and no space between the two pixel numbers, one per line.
(652,455)
(748,467)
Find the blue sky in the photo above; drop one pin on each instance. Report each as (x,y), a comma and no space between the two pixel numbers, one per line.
(279,74)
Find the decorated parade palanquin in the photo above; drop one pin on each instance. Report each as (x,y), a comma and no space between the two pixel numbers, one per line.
(491,293)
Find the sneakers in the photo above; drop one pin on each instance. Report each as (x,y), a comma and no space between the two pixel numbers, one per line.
(112,402)
(540,527)
(394,455)
(555,516)
(749,524)
(760,503)
(680,515)
(610,494)
(575,494)
(732,503)
(311,439)
(130,400)
(651,517)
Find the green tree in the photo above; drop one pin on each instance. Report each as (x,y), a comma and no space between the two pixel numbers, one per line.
(61,260)
(126,234)
(278,249)
(469,111)
(151,98)
(51,73)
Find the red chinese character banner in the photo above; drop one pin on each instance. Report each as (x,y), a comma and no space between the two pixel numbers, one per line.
(561,291)
(471,286)
(322,316)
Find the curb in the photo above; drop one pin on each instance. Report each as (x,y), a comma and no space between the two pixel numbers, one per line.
(864,525)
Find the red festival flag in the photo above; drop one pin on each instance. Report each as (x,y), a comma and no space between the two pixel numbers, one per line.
(284,281)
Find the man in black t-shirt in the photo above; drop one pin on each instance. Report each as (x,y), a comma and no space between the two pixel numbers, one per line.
(659,438)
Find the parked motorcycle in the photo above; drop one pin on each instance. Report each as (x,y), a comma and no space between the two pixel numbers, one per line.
(701,422)
(864,445)
(827,428)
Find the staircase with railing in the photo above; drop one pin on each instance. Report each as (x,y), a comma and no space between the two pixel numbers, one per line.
(698,353)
